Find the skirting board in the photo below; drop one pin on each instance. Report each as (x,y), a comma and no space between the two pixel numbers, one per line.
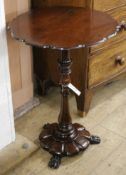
(26,107)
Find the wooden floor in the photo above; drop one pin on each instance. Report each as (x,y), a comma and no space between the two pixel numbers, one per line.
(107,118)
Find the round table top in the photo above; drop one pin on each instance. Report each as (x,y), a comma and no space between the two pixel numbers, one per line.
(63,27)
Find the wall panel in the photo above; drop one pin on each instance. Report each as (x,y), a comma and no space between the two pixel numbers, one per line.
(20,58)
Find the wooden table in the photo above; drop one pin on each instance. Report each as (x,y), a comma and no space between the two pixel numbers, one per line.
(64,28)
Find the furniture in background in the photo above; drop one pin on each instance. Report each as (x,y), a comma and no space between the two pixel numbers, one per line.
(106,62)
(55,28)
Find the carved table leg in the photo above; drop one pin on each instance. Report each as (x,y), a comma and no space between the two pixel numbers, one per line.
(64,138)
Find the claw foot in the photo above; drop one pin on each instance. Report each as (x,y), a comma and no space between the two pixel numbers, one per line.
(55,162)
(46,126)
(94,139)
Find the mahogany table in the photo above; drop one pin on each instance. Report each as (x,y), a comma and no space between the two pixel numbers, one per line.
(64,28)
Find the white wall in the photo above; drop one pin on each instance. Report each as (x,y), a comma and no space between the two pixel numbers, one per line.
(7,132)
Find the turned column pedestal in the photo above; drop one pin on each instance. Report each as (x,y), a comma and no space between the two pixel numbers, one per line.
(65,138)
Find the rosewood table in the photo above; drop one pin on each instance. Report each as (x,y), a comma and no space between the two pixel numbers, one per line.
(64,28)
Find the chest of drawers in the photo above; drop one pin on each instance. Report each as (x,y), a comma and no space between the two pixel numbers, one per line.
(111,65)
(105,63)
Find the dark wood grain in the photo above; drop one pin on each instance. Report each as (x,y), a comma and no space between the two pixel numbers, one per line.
(63,27)
(118,11)
(65,138)
(47,73)
(75,3)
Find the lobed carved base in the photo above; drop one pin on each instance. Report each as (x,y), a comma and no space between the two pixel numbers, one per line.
(59,144)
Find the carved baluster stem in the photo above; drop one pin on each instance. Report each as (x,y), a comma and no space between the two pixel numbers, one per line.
(65,121)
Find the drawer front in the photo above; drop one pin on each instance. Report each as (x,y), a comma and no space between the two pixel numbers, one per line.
(105,5)
(120,15)
(107,64)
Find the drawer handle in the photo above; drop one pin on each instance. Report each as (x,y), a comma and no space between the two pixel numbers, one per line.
(120,60)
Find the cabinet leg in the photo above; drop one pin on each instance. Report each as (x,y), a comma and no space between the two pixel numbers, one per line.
(84,101)
(43,86)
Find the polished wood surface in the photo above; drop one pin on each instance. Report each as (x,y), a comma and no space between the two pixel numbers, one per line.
(120,15)
(115,8)
(107,64)
(71,3)
(46,69)
(47,74)
(65,138)
(55,27)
